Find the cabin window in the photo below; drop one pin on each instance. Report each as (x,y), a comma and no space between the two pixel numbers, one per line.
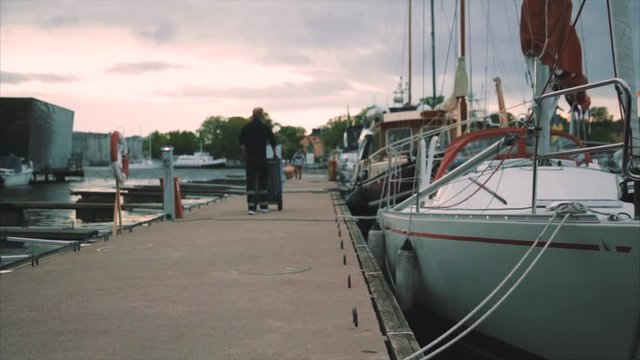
(396,135)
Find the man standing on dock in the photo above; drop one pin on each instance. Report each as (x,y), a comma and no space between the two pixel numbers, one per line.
(253,140)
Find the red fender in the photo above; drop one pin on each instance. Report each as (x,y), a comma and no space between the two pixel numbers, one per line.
(177,198)
(115,137)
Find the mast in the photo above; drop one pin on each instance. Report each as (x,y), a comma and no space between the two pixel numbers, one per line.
(463,101)
(410,51)
(623,35)
(461,87)
(433,53)
(501,105)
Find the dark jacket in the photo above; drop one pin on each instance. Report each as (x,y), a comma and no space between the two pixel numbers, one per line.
(255,136)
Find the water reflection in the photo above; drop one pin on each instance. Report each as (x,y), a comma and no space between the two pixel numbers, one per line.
(96,179)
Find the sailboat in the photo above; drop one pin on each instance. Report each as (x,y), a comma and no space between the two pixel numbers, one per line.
(394,133)
(147,162)
(520,236)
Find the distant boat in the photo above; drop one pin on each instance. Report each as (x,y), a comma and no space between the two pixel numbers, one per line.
(14,171)
(145,164)
(199,160)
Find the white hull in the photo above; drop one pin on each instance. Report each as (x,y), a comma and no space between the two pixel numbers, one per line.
(581,301)
(16,179)
(199,160)
(201,164)
(145,164)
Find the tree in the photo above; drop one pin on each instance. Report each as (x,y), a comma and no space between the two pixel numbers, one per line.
(289,137)
(602,131)
(599,113)
(332,133)
(183,142)
(432,101)
(220,136)
(158,140)
(211,134)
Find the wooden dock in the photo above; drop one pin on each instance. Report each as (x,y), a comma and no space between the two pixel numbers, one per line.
(218,284)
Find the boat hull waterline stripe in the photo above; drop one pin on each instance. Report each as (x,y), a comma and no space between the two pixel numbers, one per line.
(589,247)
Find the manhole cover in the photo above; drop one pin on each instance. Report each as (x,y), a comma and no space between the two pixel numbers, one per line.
(281,271)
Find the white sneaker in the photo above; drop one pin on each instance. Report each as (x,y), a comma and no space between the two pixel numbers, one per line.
(251,212)
(264,210)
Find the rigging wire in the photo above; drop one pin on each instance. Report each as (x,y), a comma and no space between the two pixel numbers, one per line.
(564,45)
(613,53)
(451,32)
(424,16)
(611,40)
(479,186)
(584,49)
(486,8)
(502,169)
(516,58)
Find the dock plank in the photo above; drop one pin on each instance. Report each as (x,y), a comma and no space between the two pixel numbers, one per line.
(402,341)
(54,234)
(218,284)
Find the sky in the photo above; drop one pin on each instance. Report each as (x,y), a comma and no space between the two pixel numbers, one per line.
(140,65)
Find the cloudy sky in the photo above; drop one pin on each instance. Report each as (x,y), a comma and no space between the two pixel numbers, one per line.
(143,65)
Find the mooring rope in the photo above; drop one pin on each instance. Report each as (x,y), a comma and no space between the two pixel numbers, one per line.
(566,209)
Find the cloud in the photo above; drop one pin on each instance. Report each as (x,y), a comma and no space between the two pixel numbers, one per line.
(7,77)
(57,21)
(162,32)
(141,67)
(316,89)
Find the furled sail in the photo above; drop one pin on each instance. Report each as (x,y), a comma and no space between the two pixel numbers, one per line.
(546,33)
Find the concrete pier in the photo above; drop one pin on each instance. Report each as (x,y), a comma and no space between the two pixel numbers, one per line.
(218,284)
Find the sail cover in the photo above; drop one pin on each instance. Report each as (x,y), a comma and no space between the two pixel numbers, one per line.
(546,33)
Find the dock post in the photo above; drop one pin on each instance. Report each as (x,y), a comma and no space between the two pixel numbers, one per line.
(168,193)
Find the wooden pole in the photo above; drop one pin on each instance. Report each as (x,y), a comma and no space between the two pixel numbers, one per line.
(114,227)
(118,202)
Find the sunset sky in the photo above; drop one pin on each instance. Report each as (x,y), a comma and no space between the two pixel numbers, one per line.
(140,66)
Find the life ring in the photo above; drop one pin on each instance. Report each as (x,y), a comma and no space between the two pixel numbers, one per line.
(119,161)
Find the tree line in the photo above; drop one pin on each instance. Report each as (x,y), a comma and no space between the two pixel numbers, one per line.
(218,135)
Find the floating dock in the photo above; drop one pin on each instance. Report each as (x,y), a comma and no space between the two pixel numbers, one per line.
(217,284)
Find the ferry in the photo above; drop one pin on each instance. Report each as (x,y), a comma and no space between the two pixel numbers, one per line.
(199,160)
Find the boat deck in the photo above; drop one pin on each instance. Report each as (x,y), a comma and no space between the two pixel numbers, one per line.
(218,284)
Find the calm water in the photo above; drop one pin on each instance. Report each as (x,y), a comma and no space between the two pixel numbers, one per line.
(97,179)
(101,178)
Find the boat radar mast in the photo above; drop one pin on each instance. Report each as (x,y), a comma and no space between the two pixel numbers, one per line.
(398,94)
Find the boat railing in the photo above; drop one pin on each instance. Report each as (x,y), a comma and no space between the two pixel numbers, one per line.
(395,155)
(624,97)
(491,151)
(400,147)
